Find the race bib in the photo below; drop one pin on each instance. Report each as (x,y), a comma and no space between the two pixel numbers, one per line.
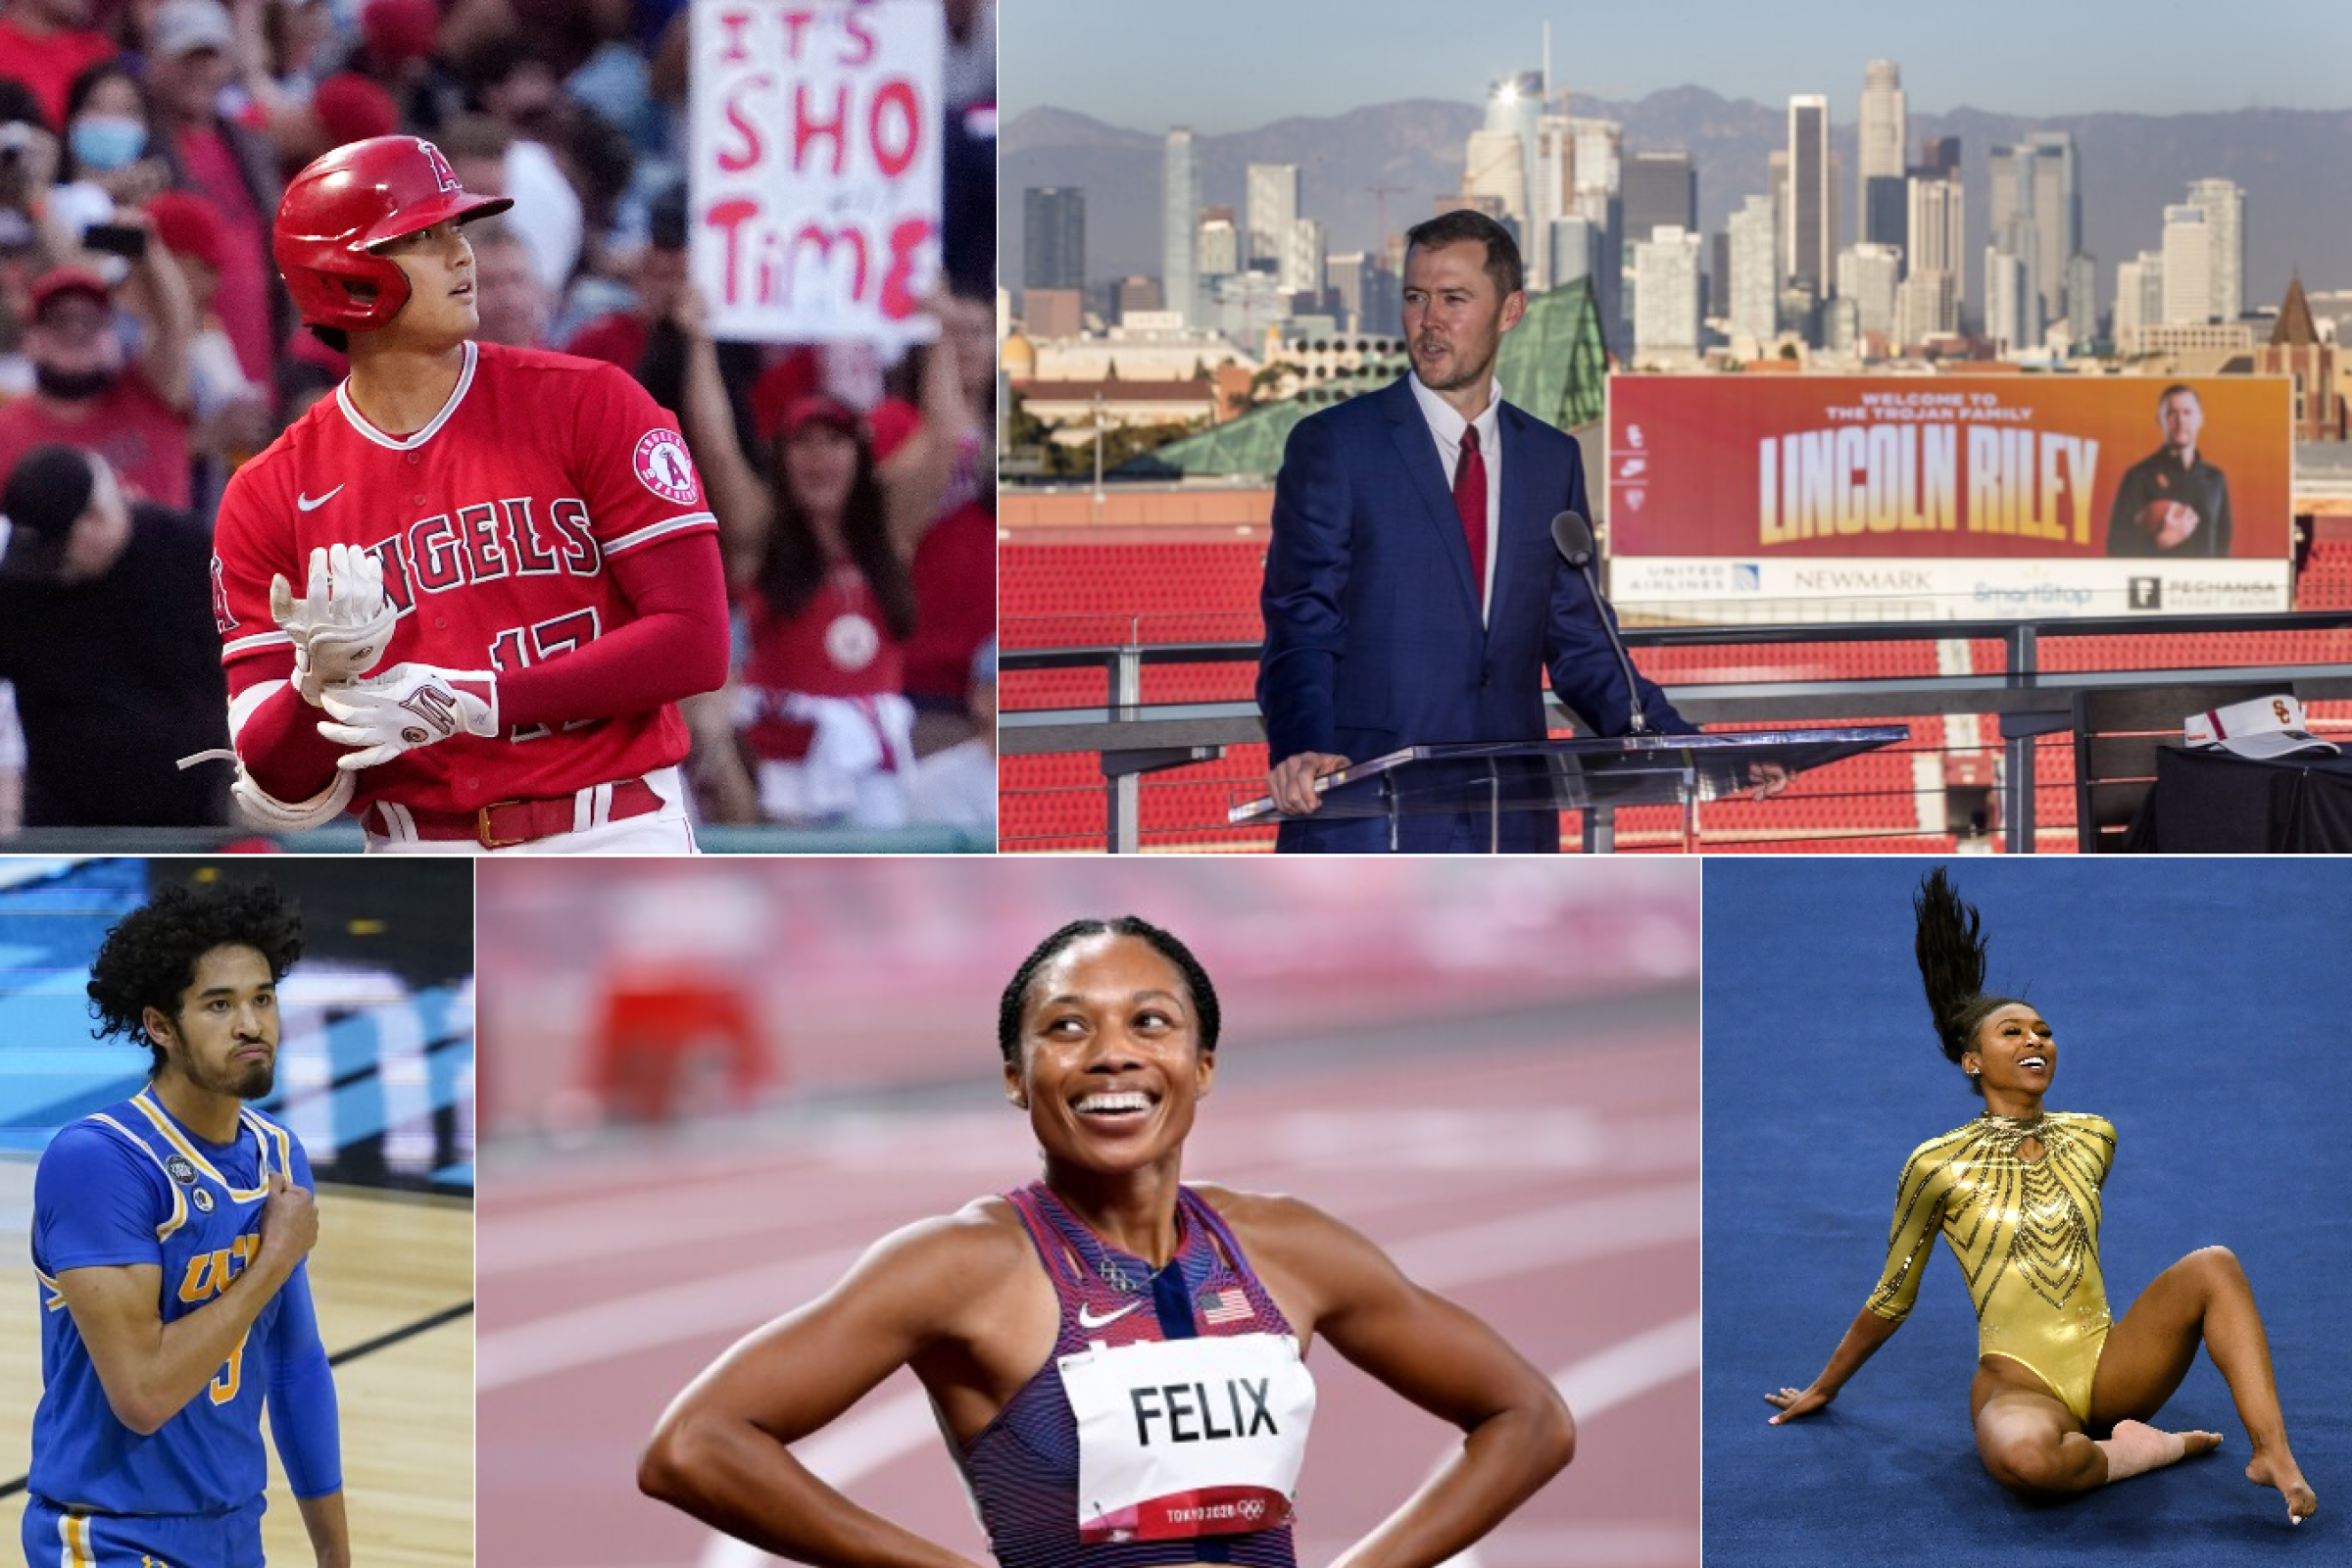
(1182,1438)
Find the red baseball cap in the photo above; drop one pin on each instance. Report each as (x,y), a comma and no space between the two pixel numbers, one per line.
(353,108)
(188,225)
(818,408)
(69,281)
(400,29)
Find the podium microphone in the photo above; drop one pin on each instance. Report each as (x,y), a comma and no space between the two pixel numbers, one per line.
(1572,537)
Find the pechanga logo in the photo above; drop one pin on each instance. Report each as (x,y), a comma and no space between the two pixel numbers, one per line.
(2147,592)
(667,471)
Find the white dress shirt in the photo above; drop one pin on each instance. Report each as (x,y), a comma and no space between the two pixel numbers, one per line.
(1447,426)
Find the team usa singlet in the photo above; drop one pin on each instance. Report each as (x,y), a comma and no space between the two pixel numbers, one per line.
(1169,1424)
(501,525)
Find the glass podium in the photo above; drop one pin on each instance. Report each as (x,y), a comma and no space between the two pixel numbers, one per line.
(1487,779)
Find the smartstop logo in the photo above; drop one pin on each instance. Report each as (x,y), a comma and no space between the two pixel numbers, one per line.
(2041,593)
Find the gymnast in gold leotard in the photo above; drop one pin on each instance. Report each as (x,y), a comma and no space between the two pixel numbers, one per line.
(2063,1391)
(2026,1233)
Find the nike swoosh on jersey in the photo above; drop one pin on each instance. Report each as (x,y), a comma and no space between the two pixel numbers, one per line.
(1087,1320)
(308,505)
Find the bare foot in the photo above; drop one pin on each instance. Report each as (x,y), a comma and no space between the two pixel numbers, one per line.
(2196,1443)
(2278,1470)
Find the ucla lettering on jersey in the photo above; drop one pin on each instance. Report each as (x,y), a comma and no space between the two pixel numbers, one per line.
(128,1186)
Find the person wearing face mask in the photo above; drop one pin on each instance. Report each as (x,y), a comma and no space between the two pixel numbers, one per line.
(89,392)
(104,631)
(109,159)
(2064,1389)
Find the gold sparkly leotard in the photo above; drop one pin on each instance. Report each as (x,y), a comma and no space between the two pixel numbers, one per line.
(2026,1233)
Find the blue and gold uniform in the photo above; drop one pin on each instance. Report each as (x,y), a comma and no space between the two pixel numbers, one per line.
(131,1185)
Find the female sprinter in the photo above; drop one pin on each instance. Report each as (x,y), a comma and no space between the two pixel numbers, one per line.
(1116,1359)
(2061,1392)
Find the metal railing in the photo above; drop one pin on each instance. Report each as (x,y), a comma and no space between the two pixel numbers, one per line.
(1134,739)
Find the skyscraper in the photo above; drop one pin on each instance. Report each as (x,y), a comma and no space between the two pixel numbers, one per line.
(2225,205)
(1302,269)
(1866,275)
(1218,251)
(1666,318)
(1807,214)
(1550,178)
(2083,297)
(1660,188)
(1938,236)
(2036,212)
(2189,293)
(1596,148)
(2009,306)
(1883,134)
(1273,205)
(1753,289)
(2138,298)
(1053,237)
(1515,110)
(1179,203)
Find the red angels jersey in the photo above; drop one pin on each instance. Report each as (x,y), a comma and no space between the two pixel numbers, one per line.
(837,646)
(498,525)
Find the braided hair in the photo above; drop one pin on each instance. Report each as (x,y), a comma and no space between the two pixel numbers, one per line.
(1196,979)
(1951,966)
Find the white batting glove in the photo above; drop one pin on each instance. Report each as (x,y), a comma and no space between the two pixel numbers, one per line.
(407,706)
(342,623)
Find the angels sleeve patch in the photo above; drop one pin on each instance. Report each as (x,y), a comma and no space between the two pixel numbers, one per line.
(665,468)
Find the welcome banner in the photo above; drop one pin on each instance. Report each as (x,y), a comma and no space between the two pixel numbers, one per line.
(1988,494)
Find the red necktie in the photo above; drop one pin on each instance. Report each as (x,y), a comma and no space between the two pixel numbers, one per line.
(1470,500)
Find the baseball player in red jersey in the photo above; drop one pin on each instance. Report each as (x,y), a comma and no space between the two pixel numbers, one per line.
(463,595)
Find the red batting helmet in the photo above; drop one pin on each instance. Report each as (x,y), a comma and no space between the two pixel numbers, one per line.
(353,198)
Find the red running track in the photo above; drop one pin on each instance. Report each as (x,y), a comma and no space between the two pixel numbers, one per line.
(1551,1189)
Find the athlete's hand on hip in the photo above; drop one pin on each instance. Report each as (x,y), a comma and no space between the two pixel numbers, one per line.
(407,706)
(289,1217)
(1794,1402)
(341,625)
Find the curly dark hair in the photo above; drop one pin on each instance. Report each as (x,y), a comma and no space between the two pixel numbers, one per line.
(1196,979)
(149,958)
(1950,946)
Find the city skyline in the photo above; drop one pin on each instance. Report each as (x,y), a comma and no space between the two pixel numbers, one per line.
(2280,54)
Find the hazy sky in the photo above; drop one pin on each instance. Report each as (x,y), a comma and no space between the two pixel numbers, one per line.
(1221,66)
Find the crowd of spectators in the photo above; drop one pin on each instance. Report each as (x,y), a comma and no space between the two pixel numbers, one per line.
(144,145)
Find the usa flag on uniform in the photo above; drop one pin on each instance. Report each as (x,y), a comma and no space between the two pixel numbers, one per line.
(1228,1305)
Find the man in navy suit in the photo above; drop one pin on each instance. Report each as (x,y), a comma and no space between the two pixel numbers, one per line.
(1412,590)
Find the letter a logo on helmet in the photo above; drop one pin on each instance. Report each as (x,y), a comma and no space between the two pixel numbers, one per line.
(352,200)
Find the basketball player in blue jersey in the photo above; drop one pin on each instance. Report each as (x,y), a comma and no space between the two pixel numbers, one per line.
(1117,1359)
(169,1238)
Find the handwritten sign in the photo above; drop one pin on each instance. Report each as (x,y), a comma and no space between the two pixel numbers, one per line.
(814,179)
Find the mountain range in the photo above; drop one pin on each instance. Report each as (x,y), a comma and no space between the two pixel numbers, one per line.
(2297,180)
